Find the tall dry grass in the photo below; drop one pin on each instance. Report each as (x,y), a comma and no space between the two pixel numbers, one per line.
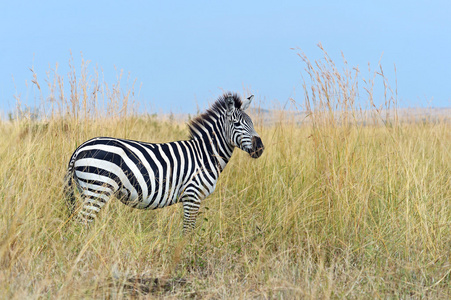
(346,203)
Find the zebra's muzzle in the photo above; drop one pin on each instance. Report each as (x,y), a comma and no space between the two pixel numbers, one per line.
(257,147)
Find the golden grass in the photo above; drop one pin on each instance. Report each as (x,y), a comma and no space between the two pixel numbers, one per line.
(335,208)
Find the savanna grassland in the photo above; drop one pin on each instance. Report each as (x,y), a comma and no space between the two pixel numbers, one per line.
(344,203)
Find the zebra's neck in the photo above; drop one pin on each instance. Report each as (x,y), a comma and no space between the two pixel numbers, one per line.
(210,133)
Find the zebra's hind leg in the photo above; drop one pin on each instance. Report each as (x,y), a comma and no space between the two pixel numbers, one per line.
(190,211)
(92,204)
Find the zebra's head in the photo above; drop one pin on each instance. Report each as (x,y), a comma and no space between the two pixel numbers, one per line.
(241,132)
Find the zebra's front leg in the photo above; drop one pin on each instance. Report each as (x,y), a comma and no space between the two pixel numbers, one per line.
(190,211)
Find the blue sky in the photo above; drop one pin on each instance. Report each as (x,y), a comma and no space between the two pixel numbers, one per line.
(185,53)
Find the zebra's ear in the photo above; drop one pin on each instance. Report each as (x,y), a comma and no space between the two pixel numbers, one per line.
(230,102)
(247,102)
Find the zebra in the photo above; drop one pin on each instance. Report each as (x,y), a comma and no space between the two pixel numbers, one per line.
(150,175)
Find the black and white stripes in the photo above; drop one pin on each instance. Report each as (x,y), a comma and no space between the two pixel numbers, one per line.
(148,176)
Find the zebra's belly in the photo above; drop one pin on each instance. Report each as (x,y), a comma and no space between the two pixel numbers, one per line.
(153,201)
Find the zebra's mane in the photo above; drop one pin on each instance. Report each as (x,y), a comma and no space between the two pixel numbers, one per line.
(218,107)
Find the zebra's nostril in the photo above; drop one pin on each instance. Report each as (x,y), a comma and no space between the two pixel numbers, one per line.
(257,147)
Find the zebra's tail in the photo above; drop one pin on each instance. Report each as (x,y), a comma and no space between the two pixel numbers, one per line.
(69,189)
